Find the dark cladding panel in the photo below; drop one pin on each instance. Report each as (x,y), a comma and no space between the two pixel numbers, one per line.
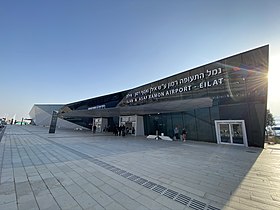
(235,76)
(257,57)
(257,125)
(256,64)
(169,125)
(214,115)
(190,125)
(204,125)
(234,112)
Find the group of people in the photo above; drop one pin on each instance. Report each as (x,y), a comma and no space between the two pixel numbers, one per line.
(177,135)
(122,130)
(119,130)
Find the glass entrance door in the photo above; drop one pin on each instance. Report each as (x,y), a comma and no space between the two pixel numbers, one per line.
(237,135)
(225,133)
(231,132)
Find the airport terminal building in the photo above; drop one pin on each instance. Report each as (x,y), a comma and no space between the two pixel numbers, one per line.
(221,102)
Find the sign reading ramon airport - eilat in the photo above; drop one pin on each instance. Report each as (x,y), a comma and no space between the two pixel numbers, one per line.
(209,78)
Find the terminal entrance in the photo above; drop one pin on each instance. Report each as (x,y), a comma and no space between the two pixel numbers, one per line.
(99,125)
(129,122)
(133,124)
(231,132)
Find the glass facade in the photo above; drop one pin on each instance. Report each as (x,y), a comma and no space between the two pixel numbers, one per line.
(236,87)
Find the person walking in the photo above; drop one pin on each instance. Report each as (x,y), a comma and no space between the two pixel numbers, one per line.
(184,134)
(176,133)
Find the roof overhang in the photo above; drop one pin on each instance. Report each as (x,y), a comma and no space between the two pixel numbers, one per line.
(151,108)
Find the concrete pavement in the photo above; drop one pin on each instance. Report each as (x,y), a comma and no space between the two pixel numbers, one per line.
(76,170)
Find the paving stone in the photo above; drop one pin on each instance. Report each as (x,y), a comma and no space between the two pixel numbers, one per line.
(115,206)
(74,189)
(189,189)
(34,178)
(39,187)
(269,202)
(42,170)
(150,203)
(25,198)
(23,188)
(80,181)
(5,179)
(51,182)
(7,188)
(41,192)
(46,174)
(47,202)
(142,208)
(129,192)
(149,193)
(100,176)
(125,201)
(19,179)
(9,206)
(58,191)
(102,198)
(215,198)
(254,204)
(7,198)
(108,189)
(85,200)
(114,183)
(28,205)
(73,208)
(66,201)
(65,181)
(73,174)
(96,207)
(95,181)
(130,184)
(169,203)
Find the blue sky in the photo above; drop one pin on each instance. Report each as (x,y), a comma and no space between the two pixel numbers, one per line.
(61,51)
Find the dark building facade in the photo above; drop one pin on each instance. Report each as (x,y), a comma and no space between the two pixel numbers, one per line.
(220,102)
